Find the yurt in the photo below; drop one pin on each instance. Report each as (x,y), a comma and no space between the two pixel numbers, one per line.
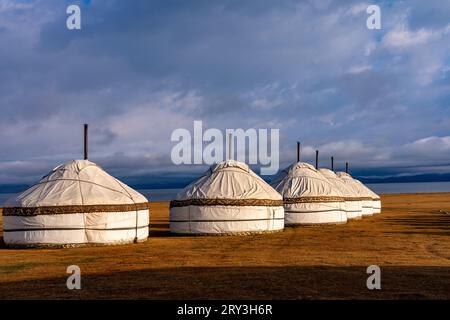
(228,199)
(77,203)
(359,191)
(376,201)
(353,205)
(309,198)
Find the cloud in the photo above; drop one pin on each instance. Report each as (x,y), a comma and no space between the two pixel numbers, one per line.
(357,8)
(359,69)
(135,72)
(432,148)
(402,37)
(8,6)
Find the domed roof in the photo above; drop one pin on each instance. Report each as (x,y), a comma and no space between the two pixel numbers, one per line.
(75,183)
(367,190)
(229,179)
(338,183)
(327,173)
(303,180)
(357,188)
(344,175)
(300,168)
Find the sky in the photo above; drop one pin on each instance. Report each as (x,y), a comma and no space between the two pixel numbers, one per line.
(138,70)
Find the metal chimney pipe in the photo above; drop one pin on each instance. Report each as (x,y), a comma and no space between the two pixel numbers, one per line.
(317,159)
(85,141)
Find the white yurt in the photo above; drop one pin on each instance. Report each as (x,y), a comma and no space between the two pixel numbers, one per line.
(353,205)
(309,198)
(359,191)
(376,200)
(77,203)
(228,199)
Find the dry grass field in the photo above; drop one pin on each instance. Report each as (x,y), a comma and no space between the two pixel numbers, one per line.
(409,240)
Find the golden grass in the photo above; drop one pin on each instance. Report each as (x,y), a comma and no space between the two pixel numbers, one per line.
(409,240)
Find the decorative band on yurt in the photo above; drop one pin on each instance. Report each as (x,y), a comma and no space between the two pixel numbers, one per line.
(227,202)
(357,198)
(313,199)
(72,209)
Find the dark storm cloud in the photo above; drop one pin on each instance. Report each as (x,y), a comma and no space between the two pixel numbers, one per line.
(138,70)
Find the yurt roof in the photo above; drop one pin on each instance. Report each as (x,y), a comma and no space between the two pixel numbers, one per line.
(303,180)
(338,183)
(368,190)
(229,179)
(344,175)
(355,185)
(77,183)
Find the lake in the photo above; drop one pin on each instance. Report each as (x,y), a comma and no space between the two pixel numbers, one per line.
(410,187)
(380,188)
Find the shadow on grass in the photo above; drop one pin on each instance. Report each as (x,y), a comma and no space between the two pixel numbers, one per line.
(436,224)
(241,283)
(160,233)
(159,225)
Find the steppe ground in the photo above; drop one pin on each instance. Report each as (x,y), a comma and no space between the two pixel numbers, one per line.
(409,240)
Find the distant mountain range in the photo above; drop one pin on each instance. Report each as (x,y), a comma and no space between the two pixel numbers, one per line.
(429,177)
(173,182)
